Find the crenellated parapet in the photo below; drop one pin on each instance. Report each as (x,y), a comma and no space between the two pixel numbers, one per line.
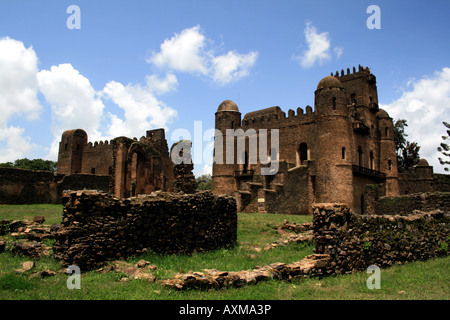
(98,144)
(278,118)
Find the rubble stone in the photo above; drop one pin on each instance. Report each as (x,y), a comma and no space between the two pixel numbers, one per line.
(97,227)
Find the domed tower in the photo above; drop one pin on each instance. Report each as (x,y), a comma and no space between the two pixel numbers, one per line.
(332,149)
(330,97)
(71,151)
(223,177)
(388,157)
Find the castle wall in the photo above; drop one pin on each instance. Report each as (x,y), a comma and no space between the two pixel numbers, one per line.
(97,158)
(21,186)
(294,197)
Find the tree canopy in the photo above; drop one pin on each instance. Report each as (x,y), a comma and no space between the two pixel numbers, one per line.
(35,164)
(407,152)
(444,147)
(204,182)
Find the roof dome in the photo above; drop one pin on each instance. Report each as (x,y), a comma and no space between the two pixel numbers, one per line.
(422,163)
(228,105)
(382,114)
(329,82)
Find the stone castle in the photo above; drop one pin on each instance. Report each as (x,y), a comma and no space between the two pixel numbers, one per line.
(135,167)
(327,155)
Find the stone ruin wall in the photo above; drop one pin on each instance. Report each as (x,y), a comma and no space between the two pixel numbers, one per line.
(345,242)
(97,227)
(355,241)
(22,186)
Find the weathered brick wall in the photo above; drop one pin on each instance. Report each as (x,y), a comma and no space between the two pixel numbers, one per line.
(356,241)
(97,227)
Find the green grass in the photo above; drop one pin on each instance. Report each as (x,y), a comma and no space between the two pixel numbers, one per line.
(420,280)
(51,212)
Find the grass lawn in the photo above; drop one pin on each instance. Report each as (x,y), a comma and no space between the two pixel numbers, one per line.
(424,280)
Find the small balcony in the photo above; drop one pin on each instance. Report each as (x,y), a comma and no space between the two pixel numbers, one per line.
(361,128)
(362,171)
(373,107)
(244,173)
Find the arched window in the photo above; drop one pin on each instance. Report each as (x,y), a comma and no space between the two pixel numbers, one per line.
(360,156)
(343,153)
(386,131)
(334,103)
(389,165)
(246,163)
(302,153)
(371,166)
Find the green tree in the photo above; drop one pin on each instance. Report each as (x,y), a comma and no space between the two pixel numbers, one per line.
(407,152)
(204,182)
(444,148)
(35,164)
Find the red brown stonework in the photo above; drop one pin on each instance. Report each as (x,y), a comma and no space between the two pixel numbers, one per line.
(326,155)
(135,166)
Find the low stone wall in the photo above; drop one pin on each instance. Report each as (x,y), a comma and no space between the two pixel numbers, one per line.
(406,204)
(22,186)
(355,242)
(97,227)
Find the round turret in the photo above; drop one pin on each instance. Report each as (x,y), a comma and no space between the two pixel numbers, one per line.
(422,163)
(382,114)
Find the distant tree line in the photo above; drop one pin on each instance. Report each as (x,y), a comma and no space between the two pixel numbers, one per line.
(204,182)
(35,164)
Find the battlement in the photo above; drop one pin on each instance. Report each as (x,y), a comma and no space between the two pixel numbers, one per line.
(261,119)
(361,71)
(98,144)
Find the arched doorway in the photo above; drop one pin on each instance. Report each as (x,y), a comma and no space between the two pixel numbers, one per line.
(137,173)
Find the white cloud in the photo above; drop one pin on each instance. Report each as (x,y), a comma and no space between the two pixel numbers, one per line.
(206,169)
(182,52)
(18,96)
(74,103)
(232,66)
(188,52)
(424,107)
(160,86)
(319,48)
(142,110)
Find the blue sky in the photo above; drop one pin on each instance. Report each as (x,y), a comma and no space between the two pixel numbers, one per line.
(139,65)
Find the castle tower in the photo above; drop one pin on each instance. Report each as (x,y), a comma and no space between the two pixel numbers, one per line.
(361,87)
(388,158)
(223,177)
(332,151)
(71,151)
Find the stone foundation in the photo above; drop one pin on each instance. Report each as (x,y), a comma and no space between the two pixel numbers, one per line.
(97,227)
